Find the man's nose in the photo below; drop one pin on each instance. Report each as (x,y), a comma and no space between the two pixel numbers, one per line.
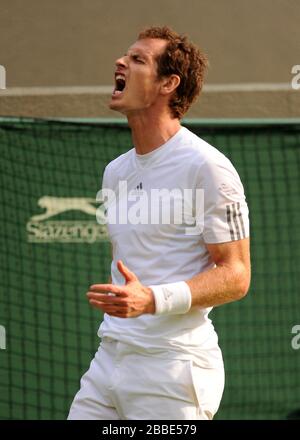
(121,62)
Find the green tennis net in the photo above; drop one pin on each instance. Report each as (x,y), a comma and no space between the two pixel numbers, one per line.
(52,249)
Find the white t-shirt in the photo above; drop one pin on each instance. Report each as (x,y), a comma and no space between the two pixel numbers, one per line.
(165,253)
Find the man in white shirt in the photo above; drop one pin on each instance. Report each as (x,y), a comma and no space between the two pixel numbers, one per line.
(159,356)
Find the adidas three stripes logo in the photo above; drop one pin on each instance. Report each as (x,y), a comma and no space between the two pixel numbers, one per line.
(235,221)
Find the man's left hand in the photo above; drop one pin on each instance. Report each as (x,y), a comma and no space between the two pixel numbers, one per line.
(127,301)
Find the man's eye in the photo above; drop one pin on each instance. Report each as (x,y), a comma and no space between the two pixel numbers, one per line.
(137,59)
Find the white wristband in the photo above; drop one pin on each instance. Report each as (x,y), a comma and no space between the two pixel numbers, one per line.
(172,299)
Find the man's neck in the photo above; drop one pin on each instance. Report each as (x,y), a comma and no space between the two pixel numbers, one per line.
(149,133)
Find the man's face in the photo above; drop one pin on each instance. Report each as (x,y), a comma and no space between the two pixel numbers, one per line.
(136,83)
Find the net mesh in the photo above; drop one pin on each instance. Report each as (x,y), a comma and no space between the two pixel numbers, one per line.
(47,262)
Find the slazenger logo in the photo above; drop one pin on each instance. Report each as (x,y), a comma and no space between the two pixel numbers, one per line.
(42,230)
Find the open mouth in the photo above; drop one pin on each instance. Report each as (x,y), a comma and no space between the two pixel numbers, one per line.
(120,84)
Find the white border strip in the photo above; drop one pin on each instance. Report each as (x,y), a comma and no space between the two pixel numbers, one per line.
(107,90)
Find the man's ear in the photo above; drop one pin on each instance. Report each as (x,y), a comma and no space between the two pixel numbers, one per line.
(169,84)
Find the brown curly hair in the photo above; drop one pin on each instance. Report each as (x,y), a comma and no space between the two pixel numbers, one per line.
(183,58)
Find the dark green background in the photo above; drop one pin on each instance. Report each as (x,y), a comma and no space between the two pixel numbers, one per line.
(51,330)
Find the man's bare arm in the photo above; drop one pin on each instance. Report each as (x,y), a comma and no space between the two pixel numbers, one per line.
(228,281)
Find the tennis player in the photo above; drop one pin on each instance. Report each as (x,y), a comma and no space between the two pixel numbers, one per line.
(159,356)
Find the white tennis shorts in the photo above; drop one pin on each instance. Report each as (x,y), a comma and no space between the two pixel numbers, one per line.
(122,384)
